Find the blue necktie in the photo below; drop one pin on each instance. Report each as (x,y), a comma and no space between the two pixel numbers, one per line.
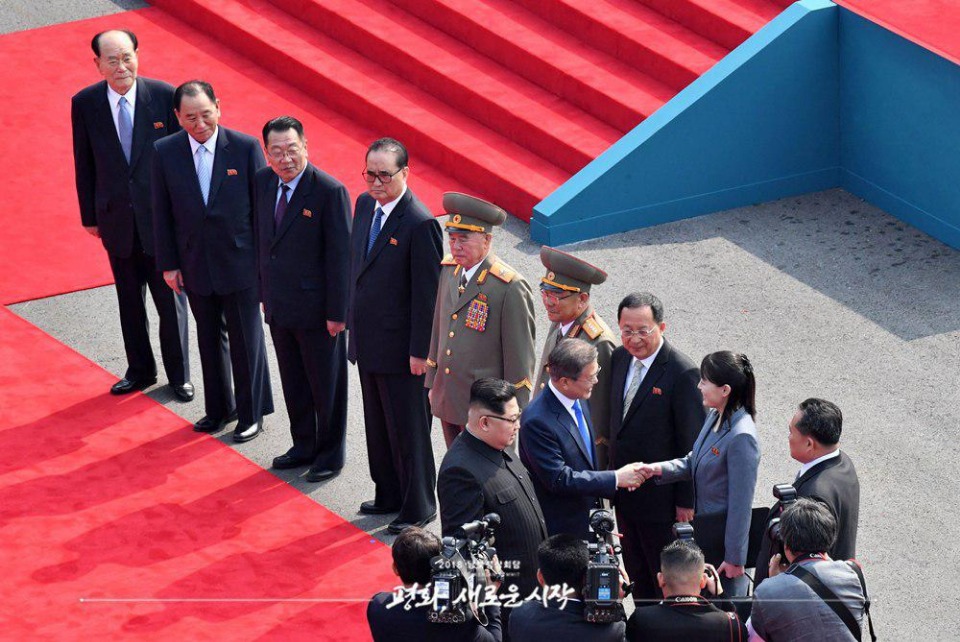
(582,425)
(375,229)
(203,172)
(125,127)
(282,203)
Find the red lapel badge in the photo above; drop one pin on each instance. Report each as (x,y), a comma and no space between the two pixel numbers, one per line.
(393,241)
(307,213)
(231,172)
(158,125)
(657,391)
(715,450)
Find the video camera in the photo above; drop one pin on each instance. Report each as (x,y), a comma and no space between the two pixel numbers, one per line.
(459,573)
(786,495)
(601,588)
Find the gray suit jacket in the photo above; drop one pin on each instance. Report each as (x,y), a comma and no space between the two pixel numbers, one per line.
(784,608)
(723,466)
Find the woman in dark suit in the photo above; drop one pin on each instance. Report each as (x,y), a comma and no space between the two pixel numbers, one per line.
(723,463)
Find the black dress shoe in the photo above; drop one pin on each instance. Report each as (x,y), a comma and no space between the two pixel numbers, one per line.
(246,432)
(283,462)
(182,391)
(213,425)
(370,507)
(126,386)
(396,526)
(319,474)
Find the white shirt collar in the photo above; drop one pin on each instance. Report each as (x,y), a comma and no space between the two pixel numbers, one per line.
(211,143)
(810,464)
(469,273)
(566,327)
(649,360)
(565,400)
(389,207)
(114,98)
(292,185)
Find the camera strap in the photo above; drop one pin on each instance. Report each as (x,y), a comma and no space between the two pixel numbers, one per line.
(866,598)
(834,602)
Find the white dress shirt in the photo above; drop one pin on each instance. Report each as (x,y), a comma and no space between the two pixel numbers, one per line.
(387,209)
(646,367)
(211,146)
(114,99)
(292,186)
(810,464)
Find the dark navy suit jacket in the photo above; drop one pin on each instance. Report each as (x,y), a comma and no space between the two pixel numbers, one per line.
(304,264)
(212,245)
(563,470)
(112,192)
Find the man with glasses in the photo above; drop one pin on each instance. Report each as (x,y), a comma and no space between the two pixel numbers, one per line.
(656,412)
(565,291)
(394,266)
(478,476)
(303,243)
(483,324)
(557,443)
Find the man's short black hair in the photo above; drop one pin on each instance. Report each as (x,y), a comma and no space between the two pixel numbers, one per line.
(412,551)
(641,300)
(563,559)
(821,420)
(681,561)
(569,357)
(808,526)
(393,146)
(281,124)
(193,88)
(95,43)
(492,394)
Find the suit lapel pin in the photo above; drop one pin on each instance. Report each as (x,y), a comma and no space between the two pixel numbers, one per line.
(158,125)
(715,450)
(657,391)
(231,172)
(307,213)
(393,241)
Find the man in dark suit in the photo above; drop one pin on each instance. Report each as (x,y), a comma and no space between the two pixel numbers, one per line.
(396,250)
(656,412)
(303,242)
(557,443)
(478,476)
(558,617)
(685,615)
(827,474)
(391,621)
(203,183)
(115,123)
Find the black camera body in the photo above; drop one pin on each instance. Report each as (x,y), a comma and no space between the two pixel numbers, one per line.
(601,587)
(786,494)
(459,573)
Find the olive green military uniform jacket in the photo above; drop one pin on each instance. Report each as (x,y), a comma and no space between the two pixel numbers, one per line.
(592,329)
(488,331)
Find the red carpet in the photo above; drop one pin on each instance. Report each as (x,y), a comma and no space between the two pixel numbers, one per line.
(114,498)
(934,24)
(43,249)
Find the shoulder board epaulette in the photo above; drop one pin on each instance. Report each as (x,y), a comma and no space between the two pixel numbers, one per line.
(503,272)
(448,260)
(592,327)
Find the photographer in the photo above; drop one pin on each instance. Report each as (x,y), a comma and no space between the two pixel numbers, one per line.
(684,615)
(412,552)
(815,598)
(559,617)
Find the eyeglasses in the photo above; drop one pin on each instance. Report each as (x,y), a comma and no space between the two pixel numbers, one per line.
(279,155)
(642,332)
(553,297)
(385,177)
(510,420)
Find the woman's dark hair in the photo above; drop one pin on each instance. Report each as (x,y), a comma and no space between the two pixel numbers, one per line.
(726,368)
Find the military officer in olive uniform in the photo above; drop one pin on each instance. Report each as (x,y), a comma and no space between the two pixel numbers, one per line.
(565,291)
(483,323)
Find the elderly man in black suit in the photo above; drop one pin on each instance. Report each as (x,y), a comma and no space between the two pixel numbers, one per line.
(396,250)
(478,476)
(557,443)
(827,474)
(203,184)
(303,243)
(656,412)
(115,123)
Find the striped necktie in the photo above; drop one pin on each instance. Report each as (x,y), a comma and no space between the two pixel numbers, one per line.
(203,172)
(125,127)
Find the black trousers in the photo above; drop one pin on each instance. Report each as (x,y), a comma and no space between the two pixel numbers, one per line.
(642,542)
(132,276)
(313,372)
(230,337)
(397,423)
